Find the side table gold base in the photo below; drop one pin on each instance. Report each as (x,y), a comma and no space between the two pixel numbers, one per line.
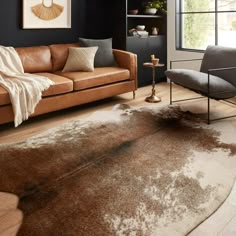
(152,99)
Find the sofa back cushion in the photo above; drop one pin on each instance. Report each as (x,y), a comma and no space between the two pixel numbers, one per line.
(35,59)
(59,53)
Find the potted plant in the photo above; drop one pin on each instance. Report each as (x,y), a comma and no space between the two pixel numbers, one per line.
(152,6)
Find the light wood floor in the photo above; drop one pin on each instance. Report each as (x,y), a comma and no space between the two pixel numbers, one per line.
(221,223)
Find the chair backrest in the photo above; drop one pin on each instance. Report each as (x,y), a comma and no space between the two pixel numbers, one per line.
(220,57)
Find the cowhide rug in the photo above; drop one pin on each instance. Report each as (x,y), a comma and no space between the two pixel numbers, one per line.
(122,172)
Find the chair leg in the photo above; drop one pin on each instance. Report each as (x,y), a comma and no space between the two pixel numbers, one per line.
(170,92)
(208,111)
(208,103)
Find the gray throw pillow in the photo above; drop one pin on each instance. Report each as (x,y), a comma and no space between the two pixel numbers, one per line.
(104,56)
(198,81)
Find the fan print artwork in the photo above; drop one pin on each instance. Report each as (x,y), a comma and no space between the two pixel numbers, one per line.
(47,10)
(39,14)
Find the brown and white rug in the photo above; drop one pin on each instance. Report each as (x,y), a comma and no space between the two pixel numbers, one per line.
(121,172)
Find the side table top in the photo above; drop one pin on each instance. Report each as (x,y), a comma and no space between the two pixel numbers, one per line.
(150,64)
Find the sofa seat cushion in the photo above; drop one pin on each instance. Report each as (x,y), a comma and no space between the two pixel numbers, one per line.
(61,84)
(100,76)
(4,97)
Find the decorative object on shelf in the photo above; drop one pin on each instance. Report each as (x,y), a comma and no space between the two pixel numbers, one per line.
(155,31)
(139,33)
(46,14)
(154,6)
(140,27)
(150,11)
(133,12)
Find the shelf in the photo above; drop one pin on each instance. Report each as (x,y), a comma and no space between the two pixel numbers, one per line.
(145,16)
(144,37)
(145,45)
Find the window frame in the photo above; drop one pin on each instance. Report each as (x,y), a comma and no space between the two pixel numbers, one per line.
(179,26)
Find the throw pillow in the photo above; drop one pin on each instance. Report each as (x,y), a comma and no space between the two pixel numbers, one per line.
(80,59)
(104,56)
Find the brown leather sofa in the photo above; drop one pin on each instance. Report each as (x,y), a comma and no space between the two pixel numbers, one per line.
(71,88)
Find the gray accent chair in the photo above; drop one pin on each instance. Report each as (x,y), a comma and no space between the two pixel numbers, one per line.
(215,80)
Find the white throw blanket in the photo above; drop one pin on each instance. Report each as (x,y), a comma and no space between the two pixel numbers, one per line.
(25,90)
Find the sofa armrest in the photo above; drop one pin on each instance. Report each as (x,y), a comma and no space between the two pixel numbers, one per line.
(127,60)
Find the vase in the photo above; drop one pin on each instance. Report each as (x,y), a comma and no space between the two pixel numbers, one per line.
(155,31)
(150,11)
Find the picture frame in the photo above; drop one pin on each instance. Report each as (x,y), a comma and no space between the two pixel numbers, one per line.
(39,14)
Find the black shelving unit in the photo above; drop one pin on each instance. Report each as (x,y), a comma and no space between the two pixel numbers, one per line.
(144,16)
(142,46)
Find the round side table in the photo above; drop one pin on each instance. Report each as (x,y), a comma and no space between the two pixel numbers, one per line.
(153,97)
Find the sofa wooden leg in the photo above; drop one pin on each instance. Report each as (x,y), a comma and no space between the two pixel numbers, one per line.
(134,94)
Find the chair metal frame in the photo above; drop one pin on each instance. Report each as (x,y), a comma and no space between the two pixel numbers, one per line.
(204,95)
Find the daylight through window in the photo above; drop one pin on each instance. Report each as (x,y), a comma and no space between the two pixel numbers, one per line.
(205,22)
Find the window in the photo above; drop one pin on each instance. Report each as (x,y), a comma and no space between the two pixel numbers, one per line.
(200,23)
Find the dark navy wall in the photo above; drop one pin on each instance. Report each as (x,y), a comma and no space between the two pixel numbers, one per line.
(99,18)
(90,18)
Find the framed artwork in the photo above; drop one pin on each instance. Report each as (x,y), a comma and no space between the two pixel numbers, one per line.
(38,14)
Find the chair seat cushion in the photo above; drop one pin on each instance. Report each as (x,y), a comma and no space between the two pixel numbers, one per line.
(100,76)
(198,82)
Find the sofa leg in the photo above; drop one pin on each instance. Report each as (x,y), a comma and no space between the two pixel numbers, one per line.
(134,94)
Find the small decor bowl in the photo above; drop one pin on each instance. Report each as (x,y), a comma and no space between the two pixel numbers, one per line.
(155,61)
(140,27)
(133,12)
(151,11)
